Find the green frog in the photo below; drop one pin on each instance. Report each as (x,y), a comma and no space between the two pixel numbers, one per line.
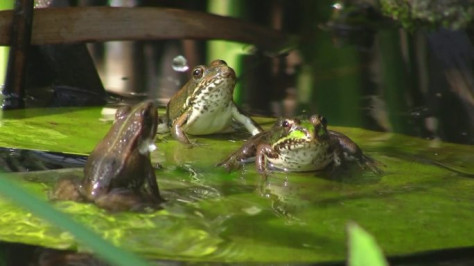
(204,105)
(118,174)
(299,145)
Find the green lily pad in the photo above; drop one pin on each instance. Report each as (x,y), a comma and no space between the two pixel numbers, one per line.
(423,200)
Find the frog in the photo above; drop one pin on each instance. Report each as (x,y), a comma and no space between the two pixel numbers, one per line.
(118,174)
(204,105)
(299,145)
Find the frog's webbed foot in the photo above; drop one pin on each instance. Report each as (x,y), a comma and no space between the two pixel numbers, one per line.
(366,162)
(231,163)
(66,189)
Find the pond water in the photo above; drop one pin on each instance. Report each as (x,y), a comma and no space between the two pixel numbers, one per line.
(212,215)
(405,98)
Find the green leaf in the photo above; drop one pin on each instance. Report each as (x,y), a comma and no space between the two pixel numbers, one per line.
(363,250)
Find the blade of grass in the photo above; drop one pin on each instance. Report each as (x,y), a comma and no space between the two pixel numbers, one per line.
(363,250)
(102,248)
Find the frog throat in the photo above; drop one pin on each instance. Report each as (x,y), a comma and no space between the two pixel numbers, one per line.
(203,85)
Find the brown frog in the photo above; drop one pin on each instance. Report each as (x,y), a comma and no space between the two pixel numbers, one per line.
(118,174)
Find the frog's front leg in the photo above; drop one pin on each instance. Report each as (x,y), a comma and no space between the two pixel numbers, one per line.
(235,160)
(264,151)
(150,187)
(248,150)
(177,129)
(248,122)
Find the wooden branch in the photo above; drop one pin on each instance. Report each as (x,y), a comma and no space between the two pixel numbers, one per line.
(99,24)
(20,32)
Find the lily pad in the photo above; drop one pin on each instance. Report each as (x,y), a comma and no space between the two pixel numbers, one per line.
(423,201)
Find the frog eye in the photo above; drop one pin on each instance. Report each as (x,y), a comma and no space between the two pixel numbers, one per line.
(318,120)
(285,123)
(145,114)
(198,72)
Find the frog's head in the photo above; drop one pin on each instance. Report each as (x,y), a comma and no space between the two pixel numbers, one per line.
(217,74)
(294,133)
(137,126)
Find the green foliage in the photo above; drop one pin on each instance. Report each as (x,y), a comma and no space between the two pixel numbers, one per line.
(453,14)
(363,250)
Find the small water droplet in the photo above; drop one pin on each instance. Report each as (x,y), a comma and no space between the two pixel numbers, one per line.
(338,6)
(180,64)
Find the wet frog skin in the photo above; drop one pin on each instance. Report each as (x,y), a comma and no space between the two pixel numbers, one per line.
(205,104)
(296,146)
(118,174)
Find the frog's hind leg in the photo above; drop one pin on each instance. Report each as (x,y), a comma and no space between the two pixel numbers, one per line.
(366,162)
(122,199)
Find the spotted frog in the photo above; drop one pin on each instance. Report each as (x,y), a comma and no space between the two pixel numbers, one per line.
(204,105)
(299,145)
(118,174)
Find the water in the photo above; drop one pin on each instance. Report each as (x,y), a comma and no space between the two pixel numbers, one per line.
(211,215)
(180,64)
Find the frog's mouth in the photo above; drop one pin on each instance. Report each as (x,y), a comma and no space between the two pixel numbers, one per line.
(300,138)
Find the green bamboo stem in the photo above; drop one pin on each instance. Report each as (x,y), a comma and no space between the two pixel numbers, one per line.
(230,52)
